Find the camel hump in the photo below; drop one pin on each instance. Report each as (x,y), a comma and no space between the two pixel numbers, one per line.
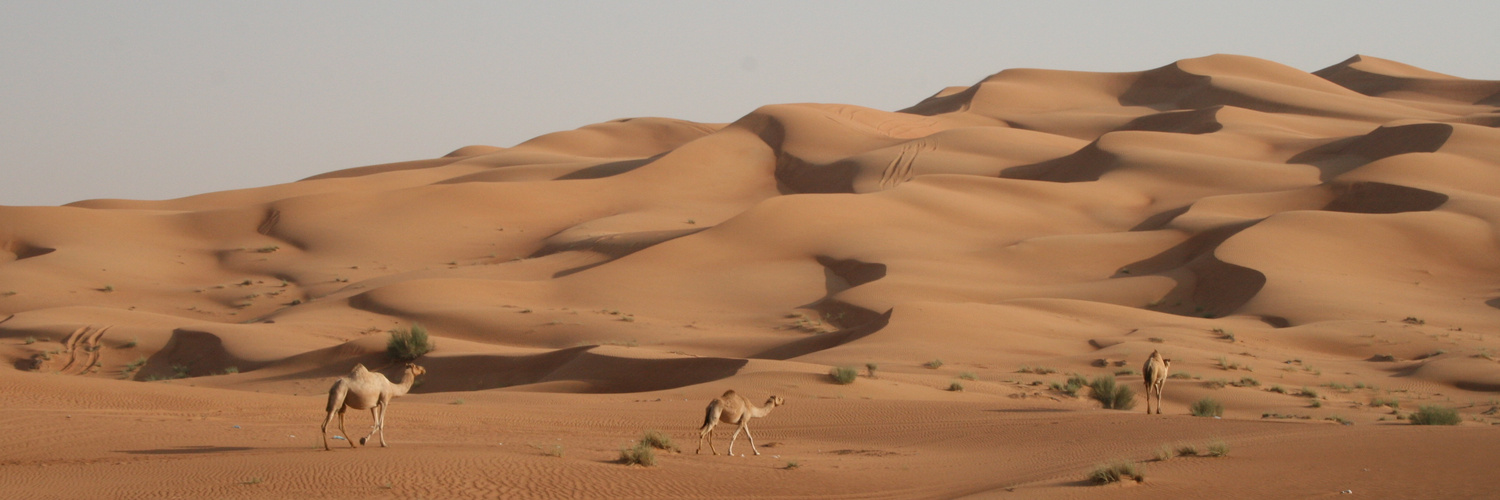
(358,369)
(728,393)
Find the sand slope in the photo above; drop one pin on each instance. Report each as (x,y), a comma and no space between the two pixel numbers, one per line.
(1327,241)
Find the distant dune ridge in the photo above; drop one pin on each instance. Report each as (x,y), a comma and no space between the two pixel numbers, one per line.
(1335,226)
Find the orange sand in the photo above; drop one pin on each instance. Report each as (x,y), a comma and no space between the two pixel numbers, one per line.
(1337,231)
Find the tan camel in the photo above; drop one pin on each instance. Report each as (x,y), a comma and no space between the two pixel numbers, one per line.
(362,389)
(732,408)
(1156,377)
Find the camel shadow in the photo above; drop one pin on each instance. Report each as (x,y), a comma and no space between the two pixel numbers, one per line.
(188,450)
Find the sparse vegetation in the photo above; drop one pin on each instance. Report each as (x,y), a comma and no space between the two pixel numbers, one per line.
(1127,372)
(1394,403)
(843,375)
(458,401)
(956,386)
(107,288)
(1316,403)
(1181,375)
(1187,450)
(1207,407)
(1285,416)
(870,369)
(407,344)
(1278,389)
(934,364)
(1247,382)
(1338,418)
(1217,383)
(1225,334)
(180,371)
(1309,392)
(1164,453)
(1040,370)
(29,340)
(131,344)
(1071,387)
(1116,472)
(268,249)
(1157,340)
(1413,320)
(641,454)
(792,465)
(1435,415)
(1218,448)
(968,376)
(231,370)
(130,368)
(1112,395)
(658,440)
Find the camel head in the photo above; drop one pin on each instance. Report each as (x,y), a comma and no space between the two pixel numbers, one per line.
(415,370)
(775,401)
(1167,362)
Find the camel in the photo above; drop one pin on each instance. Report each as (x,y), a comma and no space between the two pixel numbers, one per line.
(1156,377)
(732,408)
(362,389)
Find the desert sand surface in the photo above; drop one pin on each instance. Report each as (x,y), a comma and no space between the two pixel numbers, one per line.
(1319,252)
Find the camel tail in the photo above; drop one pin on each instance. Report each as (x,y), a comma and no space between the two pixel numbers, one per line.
(335,399)
(709,414)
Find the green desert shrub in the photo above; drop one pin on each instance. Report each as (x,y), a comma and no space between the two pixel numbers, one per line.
(934,364)
(1071,387)
(1117,471)
(1207,407)
(1218,449)
(1435,415)
(642,454)
(1112,395)
(407,344)
(843,375)
(659,440)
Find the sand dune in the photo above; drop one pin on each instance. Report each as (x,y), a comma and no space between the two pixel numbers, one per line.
(1308,248)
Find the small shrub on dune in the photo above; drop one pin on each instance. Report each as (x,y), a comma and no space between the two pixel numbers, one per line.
(408,344)
(659,440)
(640,454)
(1207,407)
(1112,395)
(1218,448)
(1435,415)
(934,364)
(843,375)
(1187,450)
(870,369)
(1071,387)
(1116,472)
(956,387)
(968,376)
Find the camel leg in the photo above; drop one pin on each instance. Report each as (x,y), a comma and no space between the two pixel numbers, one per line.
(706,434)
(327,421)
(343,432)
(710,419)
(383,409)
(375,416)
(736,436)
(752,438)
(1158,398)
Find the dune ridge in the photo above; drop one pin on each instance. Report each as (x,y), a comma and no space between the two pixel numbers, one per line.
(1315,230)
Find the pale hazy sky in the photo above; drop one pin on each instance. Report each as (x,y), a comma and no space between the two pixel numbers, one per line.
(157,100)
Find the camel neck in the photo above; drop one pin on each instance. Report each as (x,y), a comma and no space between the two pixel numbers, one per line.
(762,410)
(407,378)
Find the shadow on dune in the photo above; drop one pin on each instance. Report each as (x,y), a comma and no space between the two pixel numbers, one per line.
(1206,286)
(587,371)
(187,450)
(1349,153)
